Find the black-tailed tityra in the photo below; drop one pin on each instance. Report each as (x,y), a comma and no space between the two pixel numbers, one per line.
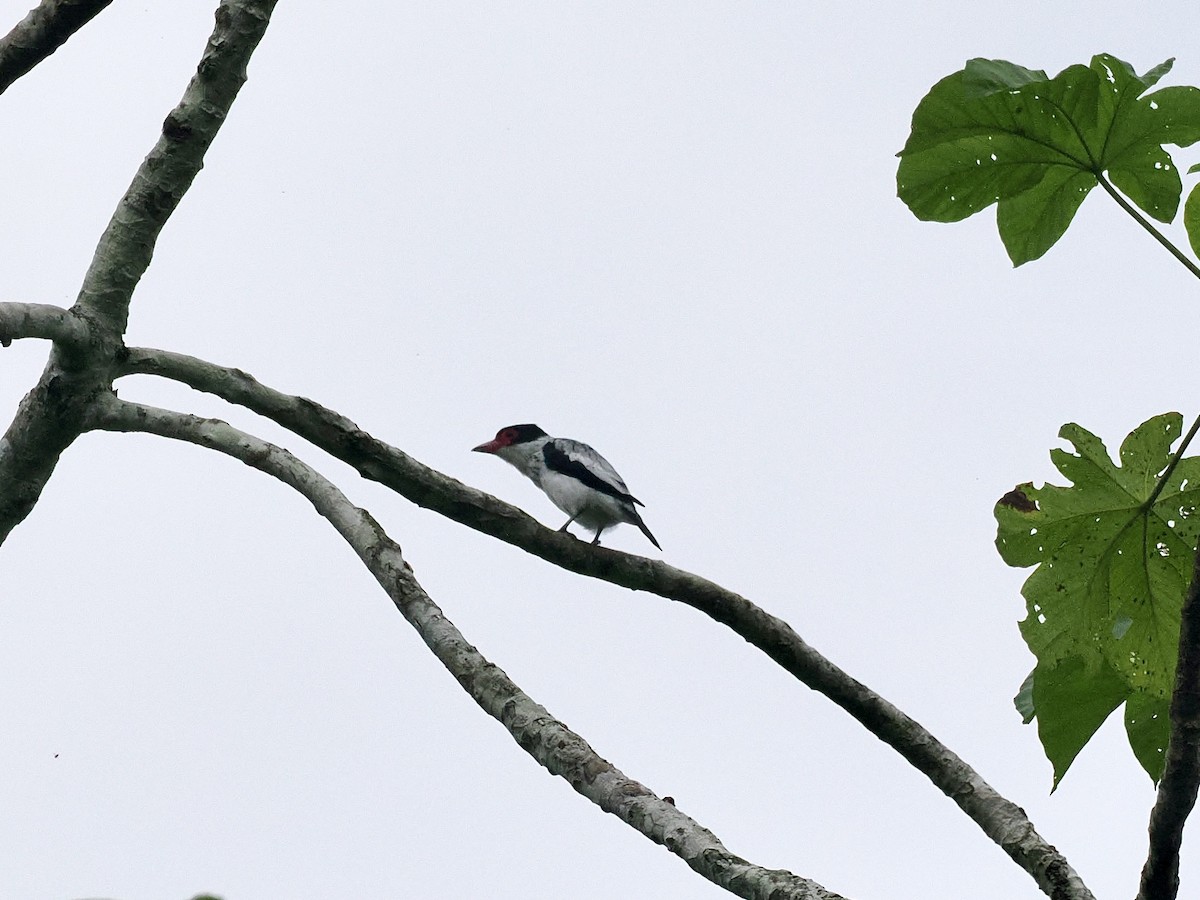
(576,478)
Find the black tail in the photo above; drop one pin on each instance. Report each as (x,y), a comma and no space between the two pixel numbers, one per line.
(637,520)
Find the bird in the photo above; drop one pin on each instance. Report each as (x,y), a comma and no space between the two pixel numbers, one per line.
(576,478)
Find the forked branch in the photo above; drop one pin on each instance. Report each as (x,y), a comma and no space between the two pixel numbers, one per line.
(1003,821)
(535,730)
(50,417)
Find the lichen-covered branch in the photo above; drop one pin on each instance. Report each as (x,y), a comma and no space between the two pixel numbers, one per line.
(1003,821)
(42,320)
(51,415)
(1180,783)
(125,248)
(550,742)
(40,33)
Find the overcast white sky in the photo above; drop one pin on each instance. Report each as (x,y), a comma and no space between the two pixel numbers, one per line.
(669,230)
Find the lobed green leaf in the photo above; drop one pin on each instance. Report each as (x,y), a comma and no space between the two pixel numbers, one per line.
(1104,600)
(996,132)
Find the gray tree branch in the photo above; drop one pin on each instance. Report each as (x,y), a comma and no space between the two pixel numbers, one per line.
(127,245)
(77,382)
(40,33)
(51,415)
(41,320)
(1000,819)
(535,730)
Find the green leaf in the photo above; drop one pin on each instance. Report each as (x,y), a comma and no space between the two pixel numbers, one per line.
(1072,699)
(1148,725)
(996,132)
(988,76)
(1191,216)
(1023,701)
(1032,222)
(1104,600)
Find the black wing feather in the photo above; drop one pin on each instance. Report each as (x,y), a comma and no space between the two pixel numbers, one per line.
(559,461)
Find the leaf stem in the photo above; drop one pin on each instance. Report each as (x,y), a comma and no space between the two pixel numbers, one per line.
(1146,224)
(1162,479)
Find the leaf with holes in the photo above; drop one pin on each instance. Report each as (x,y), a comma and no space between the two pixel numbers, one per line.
(1103,603)
(996,132)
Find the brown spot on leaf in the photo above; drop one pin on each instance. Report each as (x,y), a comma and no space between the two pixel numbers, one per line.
(1016,499)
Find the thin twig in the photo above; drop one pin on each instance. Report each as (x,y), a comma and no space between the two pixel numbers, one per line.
(547,740)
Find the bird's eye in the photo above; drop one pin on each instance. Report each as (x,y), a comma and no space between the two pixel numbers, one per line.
(507,434)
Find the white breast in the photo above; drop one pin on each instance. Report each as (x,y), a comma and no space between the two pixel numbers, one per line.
(590,508)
